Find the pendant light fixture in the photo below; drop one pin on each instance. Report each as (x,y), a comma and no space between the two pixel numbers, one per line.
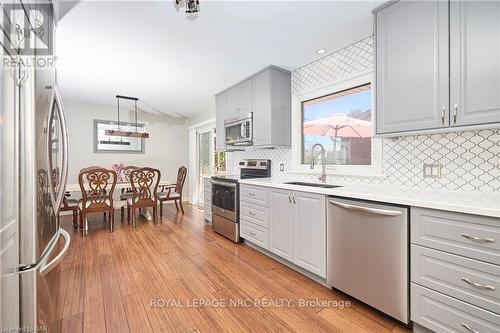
(119,131)
(191,7)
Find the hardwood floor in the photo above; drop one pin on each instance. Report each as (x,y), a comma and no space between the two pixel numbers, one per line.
(149,279)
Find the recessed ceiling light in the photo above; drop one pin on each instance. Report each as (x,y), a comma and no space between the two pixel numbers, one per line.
(321,51)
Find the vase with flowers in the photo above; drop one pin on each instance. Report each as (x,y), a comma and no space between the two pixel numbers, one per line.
(118,168)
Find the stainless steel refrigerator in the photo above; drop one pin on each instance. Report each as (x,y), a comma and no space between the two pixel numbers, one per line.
(33,172)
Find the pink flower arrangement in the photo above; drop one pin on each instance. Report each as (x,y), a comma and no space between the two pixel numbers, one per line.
(118,168)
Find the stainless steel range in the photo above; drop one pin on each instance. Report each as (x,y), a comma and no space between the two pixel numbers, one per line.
(226,197)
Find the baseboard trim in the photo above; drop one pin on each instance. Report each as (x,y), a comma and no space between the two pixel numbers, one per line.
(302,271)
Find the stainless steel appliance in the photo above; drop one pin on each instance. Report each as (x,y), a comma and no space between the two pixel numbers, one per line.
(30,280)
(239,132)
(367,253)
(226,197)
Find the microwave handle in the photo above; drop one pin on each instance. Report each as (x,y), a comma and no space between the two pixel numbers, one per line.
(243,130)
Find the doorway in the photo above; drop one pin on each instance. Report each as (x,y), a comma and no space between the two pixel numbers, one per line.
(205,164)
(203,159)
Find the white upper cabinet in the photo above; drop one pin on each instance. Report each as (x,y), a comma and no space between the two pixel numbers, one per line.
(262,112)
(239,100)
(475,62)
(412,66)
(267,95)
(245,98)
(231,104)
(437,66)
(220,114)
(272,108)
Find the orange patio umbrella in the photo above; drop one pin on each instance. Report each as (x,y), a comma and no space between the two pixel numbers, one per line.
(338,125)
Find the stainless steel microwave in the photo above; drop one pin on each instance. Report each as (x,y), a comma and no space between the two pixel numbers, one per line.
(239,132)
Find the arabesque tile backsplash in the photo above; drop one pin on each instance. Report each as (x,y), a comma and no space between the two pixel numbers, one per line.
(470,159)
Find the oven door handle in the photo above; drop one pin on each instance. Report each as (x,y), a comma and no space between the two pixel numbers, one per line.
(214,182)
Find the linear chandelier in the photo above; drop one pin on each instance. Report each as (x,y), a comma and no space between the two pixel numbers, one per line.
(119,131)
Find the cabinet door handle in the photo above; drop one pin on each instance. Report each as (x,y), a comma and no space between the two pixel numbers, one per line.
(443,112)
(478,285)
(293,197)
(289,198)
(479,239)
(252,233)
(251,194)
(470,329)
(251,214)
(455,111)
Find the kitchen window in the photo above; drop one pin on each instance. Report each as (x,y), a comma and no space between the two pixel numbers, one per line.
(339,117)
(341,122)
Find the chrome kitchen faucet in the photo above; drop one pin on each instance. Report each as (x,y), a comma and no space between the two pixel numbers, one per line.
(322,178)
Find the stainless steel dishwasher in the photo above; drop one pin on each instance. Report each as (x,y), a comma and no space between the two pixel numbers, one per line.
(367,256)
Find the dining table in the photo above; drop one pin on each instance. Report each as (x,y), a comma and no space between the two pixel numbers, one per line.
(75,188)
(119,185)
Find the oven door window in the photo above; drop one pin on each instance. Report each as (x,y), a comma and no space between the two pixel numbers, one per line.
(223,197)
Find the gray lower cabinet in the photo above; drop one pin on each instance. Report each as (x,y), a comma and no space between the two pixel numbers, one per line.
(309,232)
(254,233)
(297,228)
(471,236)
(280,223)
(442,313)
(455,271)
(468,280)
(254,215)
(475,62)
(207,199)
(412,66)
(437,66)
(290,224)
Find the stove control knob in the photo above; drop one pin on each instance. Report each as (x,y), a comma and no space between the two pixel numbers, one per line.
(263,163)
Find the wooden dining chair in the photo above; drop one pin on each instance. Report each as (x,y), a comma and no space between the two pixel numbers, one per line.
(173,192)
(126,193)
(97,186)
(69,204)
(144,183)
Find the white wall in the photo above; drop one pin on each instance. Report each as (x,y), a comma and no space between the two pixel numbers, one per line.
(207,114)
(166,148)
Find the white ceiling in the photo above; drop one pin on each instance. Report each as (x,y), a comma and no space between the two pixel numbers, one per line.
(175,65)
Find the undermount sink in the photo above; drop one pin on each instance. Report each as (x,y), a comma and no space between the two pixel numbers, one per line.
(313,184)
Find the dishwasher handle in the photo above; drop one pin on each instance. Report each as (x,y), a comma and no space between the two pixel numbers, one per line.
(375,211)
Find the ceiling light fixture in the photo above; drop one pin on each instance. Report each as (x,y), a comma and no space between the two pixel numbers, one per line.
(191,7)
(129,134)
(321,51)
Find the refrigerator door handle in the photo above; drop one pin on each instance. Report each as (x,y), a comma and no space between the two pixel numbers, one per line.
(41,264)
(56,104)
(46,268)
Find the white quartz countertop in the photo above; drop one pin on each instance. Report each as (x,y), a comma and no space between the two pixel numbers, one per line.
(486,204)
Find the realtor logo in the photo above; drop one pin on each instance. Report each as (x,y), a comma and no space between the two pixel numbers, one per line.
(27,29)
